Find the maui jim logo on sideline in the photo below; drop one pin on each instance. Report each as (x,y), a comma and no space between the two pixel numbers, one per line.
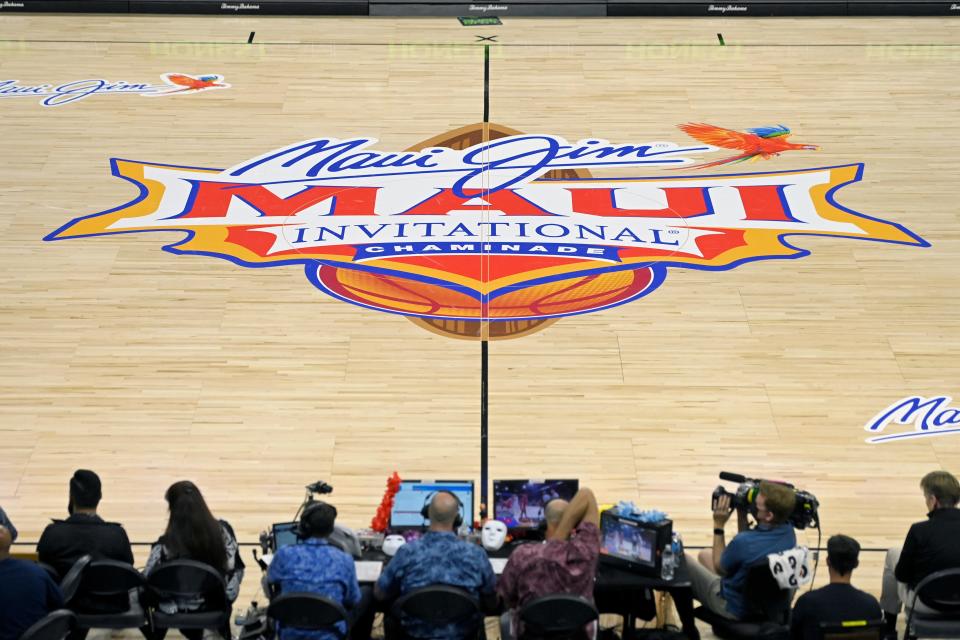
(930,417)
(389,230)
(51,95)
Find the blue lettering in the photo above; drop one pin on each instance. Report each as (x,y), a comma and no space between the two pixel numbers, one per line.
(657,240)
(912,406)
(950,416)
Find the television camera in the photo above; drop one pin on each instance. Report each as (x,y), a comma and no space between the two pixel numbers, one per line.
(805,512)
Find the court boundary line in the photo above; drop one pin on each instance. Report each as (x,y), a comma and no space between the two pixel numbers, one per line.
(728,45)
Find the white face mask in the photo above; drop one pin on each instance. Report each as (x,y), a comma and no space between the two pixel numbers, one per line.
(392,543)
(493,534)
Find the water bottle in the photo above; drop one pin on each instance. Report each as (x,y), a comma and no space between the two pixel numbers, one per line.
(667,563)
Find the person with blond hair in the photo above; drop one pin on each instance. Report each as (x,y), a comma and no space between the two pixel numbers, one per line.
(720,574)
(930,545)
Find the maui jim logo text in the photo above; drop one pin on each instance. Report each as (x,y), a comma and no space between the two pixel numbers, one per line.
(930,416)
(51,95)
(55,96)
(490,166)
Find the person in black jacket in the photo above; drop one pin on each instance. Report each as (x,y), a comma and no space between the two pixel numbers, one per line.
(837,602)
(930,546)
(63,542)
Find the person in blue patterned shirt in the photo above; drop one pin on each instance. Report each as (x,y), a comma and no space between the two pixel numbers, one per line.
(440,558)
(317,566)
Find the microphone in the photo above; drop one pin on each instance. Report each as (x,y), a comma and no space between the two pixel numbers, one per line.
(319,487)
(732,477)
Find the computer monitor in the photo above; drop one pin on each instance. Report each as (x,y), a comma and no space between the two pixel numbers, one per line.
(284,534)
(414,494)
(519,503)
(633,544)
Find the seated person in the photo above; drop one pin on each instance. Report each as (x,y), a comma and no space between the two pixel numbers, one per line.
(439,557)
(5,522)
(565,563)
(27,592)
(719,576)
(837,602)
(194,534)
(63,542)
(930,546)
(317,566)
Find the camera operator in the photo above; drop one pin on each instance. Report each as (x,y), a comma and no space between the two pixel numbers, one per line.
(316,565)
(930,546)
(720,575)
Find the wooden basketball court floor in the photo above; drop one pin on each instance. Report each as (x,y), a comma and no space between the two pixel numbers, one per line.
(150,367)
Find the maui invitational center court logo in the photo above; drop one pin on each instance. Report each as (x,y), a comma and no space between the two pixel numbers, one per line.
(488,224)
(51,95)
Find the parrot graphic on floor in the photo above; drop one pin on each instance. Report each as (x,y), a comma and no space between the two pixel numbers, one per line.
(761,142)
(183,83)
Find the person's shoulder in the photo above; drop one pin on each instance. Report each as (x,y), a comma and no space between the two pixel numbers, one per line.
(475,551)
(806,599)
(337,554)
(23,568)
(865,597)
(526,550)
(227,530)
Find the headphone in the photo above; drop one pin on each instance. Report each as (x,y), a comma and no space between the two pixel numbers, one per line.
(309,526)
(425,511)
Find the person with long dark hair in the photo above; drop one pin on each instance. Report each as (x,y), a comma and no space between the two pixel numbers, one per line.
(193,533)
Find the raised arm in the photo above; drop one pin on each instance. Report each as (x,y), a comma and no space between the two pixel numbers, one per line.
(581,510)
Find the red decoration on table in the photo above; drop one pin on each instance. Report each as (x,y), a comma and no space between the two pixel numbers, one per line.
(381,520)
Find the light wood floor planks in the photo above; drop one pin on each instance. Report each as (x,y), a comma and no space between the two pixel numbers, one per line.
(150,367)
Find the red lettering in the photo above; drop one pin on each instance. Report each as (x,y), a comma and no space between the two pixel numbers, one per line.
(682,202)
(443,202)
(212,199)
(763,202)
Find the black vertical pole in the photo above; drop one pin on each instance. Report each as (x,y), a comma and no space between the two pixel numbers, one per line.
(484,461)
(484,346)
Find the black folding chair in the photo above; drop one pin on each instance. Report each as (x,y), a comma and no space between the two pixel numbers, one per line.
(188,581)
(433,606)
(939,591)
(100,595)
(56,625)
(852,630)
(768,609)
(309,611)
(557,616)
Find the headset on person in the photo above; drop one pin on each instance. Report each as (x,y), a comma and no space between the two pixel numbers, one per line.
(308,527)
(425,511)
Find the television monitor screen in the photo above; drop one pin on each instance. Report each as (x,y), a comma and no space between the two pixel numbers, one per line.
(414,494)
(628,540)
(519,503)
(284,533)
